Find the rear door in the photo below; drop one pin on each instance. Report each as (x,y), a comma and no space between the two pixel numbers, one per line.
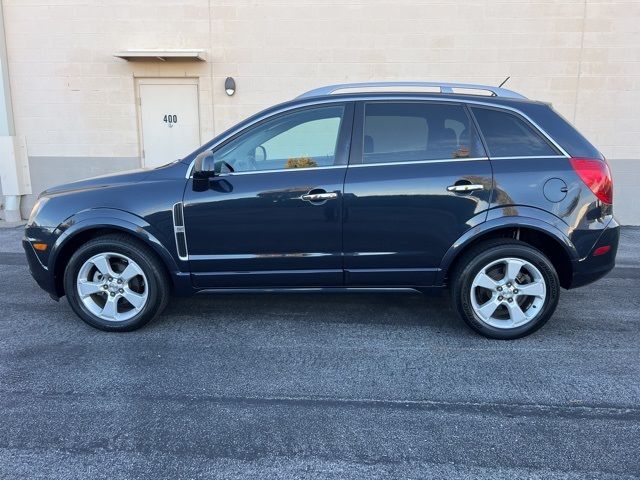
(418,178)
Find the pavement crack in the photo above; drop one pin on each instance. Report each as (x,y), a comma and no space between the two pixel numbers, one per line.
(610,412)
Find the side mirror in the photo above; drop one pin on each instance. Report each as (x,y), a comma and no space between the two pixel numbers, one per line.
(203,166)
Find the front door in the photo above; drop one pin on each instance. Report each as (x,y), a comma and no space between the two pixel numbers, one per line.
(169,119)
(272,215)
(417,180)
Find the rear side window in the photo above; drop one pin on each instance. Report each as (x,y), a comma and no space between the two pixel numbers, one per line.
(507,135)
(405,132)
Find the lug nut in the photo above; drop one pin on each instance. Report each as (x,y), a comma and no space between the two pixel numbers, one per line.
(110,279)
(121,290)
(112,294)
(499,289)
(515,291)
(500,298)
(119,280)
(510,300)
(104,286)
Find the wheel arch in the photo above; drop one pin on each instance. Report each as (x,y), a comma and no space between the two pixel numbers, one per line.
(85,226)
(539,234)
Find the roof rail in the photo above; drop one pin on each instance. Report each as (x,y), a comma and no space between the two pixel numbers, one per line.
(398,86)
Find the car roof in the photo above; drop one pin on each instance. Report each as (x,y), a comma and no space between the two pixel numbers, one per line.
(413,86)
(438,91)
(459,97)
(515,104)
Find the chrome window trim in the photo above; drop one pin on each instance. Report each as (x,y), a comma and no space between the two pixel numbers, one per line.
(190,169)
(417,162)
(313,101)
(524,157)
(273,170)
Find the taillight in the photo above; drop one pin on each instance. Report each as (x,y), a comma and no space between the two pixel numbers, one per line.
(596,175)
(601,250)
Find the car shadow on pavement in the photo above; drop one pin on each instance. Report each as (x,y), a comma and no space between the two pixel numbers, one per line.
(386,308)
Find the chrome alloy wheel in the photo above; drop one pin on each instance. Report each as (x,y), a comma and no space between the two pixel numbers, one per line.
(508,293)
(112,287)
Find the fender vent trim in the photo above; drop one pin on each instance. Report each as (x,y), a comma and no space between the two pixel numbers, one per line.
(179,231)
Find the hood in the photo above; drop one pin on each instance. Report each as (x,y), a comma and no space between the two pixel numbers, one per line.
(102,181)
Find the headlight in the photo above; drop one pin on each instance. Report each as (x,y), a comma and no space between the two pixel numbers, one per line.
(36,209)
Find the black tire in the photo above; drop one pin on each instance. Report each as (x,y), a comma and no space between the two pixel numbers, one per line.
(157,280)
(483,255)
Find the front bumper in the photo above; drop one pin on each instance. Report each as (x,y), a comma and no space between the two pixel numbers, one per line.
(591,268)
(39,272)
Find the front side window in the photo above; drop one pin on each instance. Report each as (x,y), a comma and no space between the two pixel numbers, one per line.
(302,139)
(507,135)
(414,131)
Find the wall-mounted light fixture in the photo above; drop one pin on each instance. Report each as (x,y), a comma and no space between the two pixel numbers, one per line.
(230,86)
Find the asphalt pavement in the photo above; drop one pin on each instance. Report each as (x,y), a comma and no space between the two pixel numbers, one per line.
(319,386)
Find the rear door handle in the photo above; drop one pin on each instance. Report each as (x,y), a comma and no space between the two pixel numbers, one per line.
(467,187)
(319,196)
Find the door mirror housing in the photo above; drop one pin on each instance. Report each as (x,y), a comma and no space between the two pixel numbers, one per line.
(203,165)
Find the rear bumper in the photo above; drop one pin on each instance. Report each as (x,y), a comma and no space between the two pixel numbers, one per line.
(38,271)
(591,268)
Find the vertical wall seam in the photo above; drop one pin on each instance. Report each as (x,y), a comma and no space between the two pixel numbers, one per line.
(577,96)
(211,82)
(6,79)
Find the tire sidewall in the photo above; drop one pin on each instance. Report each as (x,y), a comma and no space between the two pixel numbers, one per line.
(522,252)
(98,246)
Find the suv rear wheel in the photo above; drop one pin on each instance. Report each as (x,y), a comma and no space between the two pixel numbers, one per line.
(505,289)
(116,283)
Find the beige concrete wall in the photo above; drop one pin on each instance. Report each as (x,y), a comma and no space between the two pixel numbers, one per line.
(72,98)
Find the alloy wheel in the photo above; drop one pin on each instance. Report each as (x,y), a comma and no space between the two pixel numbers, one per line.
(508,293)
(112,287)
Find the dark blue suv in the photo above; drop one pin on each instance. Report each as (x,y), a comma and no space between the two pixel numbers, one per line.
(400,185)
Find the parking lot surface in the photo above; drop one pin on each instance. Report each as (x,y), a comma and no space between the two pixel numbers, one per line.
(319,386)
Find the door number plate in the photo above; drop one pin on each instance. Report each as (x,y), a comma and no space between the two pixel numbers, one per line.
(169,119)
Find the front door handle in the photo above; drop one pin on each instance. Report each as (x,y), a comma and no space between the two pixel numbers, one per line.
(465,187)
(319,196)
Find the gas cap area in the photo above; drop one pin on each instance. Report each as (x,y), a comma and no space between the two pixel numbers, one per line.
(555,190)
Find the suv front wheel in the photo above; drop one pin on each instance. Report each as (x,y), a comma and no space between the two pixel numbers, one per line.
(116,283)
(505,289)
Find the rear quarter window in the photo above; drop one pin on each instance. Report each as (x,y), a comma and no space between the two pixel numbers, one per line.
(560,130)
(507,135)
